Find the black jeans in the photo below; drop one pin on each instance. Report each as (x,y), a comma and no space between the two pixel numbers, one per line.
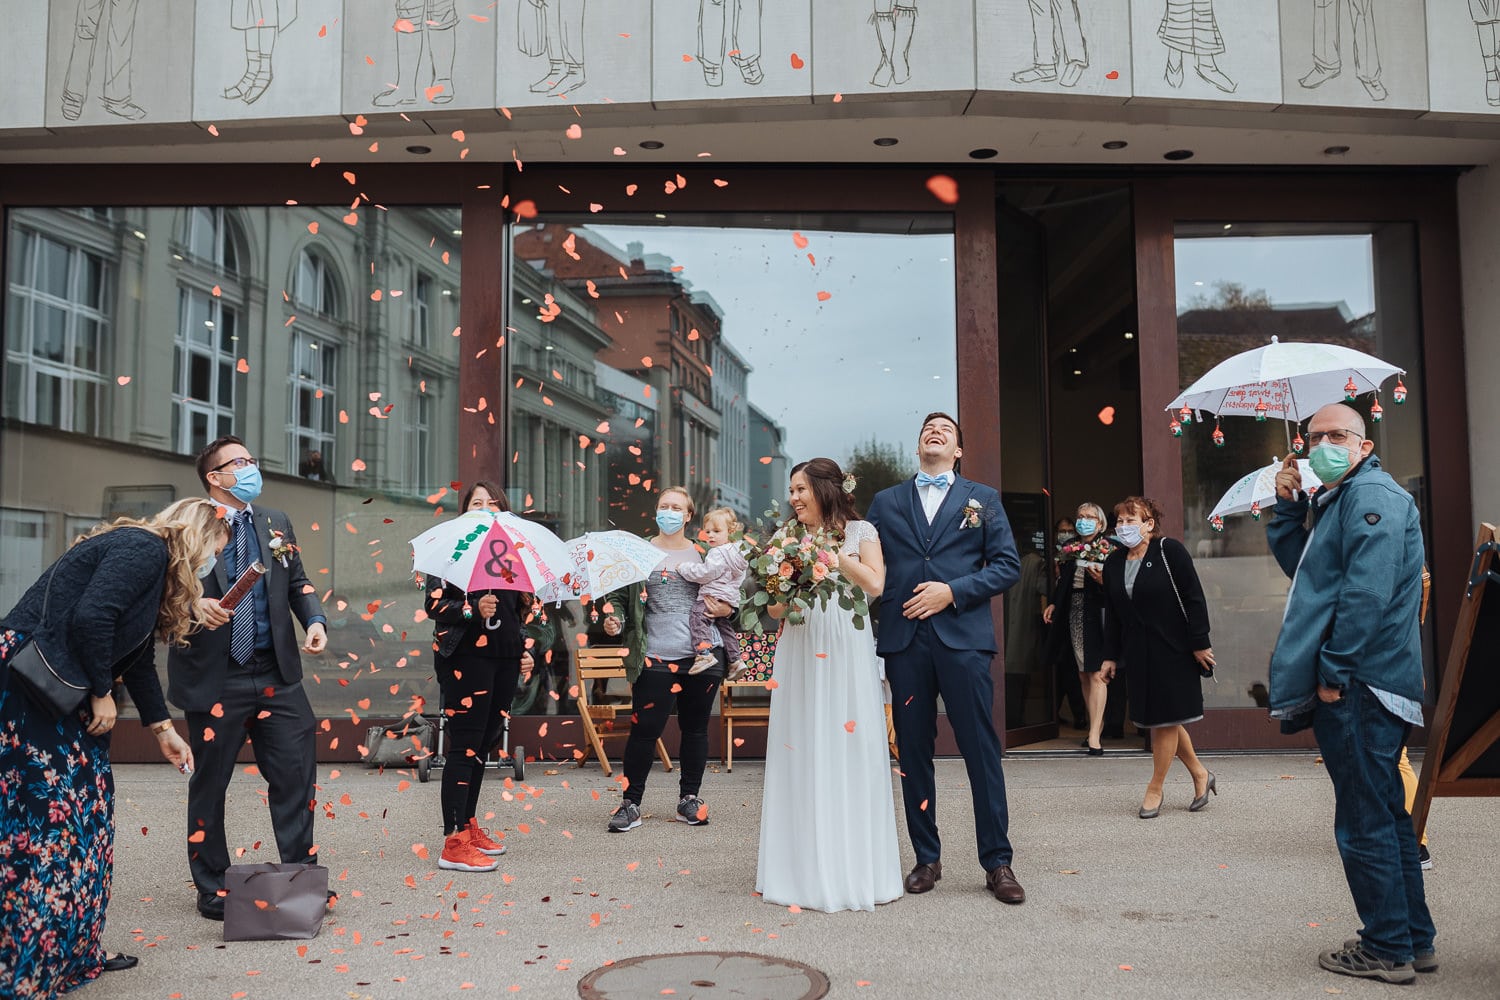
(656,692)
(477,692)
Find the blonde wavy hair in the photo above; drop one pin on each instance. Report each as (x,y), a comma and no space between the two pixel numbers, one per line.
(191,528)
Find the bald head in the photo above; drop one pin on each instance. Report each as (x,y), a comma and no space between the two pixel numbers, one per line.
(1338,415)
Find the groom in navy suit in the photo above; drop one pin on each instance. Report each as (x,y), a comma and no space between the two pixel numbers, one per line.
(948,553)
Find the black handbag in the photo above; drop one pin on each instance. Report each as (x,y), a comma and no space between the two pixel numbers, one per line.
(49,688)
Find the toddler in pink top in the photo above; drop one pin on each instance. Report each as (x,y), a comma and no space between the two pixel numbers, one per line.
(720,575)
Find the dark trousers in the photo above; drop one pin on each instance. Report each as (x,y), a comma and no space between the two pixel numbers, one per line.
(1361,745)
(285,754)
(477,693)
(918,675)
(705,629)
(656,692)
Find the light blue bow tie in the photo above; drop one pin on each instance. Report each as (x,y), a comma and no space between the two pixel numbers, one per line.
(941,480)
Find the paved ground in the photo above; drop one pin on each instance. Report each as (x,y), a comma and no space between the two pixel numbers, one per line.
(1235,901)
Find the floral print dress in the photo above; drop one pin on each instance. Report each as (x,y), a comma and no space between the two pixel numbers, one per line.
(57,836)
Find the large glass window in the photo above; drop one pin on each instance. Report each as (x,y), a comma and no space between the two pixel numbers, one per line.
(176,333)
(1237,287)
(714,353)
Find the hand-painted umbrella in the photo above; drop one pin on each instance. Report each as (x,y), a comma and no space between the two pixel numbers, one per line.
(489,550)
(1258,490)
(608,560)
(1286,381)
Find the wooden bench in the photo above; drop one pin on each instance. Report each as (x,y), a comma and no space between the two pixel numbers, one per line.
(604,721)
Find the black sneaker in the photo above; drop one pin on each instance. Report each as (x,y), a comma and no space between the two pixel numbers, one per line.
(1358,962)
(627,817)
(692,810)
(1424,857)
(1426,961)
(210,905)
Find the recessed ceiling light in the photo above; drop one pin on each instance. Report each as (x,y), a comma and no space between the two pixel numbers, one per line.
(886,140)
(1129,335)
(652,144)
(419,150)
(1116,144)
(1228,226)
(983,153)
(1178,154)
(1335,150)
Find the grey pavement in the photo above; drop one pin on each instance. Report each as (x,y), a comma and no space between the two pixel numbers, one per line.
(1235,901)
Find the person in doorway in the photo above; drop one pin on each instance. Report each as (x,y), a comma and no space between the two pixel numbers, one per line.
(1079,596)
(1348,662)
(481,655)
(426,45)
(948,552)
(652,623)
(245,681)
(1156,623)
(96,614)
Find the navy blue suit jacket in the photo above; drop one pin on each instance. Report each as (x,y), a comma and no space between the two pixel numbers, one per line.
(978,563)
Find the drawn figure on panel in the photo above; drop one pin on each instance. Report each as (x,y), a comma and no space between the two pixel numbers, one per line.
(119,46)
(1059,50)
(732,28)
(1328,52)
(895,23)
(1486,14)
(1190,27)
(259,21)
(425,45)
(553,28)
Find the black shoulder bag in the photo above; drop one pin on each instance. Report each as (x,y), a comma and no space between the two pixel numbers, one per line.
(47,686)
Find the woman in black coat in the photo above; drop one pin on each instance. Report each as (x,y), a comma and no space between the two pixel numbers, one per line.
(1156,624)
(481,653)
(95,616)
(1076,614)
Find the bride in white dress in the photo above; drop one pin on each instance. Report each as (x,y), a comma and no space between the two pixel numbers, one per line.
(828,819)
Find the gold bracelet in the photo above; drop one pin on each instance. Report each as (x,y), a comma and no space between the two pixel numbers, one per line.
(162,727)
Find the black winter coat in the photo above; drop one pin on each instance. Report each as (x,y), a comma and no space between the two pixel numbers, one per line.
(1059,641)
(455,635)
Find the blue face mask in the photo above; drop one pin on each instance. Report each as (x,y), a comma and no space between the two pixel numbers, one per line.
(669,522)
(207,567)
(1130,534)
(247,483)
(1086,526)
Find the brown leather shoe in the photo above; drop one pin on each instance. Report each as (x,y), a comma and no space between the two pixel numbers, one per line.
(1002,882)
(924,877)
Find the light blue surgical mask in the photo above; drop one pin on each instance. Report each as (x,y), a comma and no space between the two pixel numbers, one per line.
(669,522)
(1086,527)
(1129,534)
(208,567)
(247,483)
(1330,462)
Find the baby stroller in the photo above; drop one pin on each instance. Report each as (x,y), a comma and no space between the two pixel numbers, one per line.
(437,757)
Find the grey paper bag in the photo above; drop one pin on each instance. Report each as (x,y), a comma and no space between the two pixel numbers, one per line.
(269,902)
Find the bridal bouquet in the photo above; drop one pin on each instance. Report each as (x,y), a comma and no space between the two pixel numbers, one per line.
(795,568)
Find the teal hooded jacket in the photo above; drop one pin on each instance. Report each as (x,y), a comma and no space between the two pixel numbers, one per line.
(1352,614)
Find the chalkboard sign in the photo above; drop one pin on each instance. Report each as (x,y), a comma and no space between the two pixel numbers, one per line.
(1463,741)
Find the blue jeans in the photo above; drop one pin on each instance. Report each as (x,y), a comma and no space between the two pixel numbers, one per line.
(1361,745)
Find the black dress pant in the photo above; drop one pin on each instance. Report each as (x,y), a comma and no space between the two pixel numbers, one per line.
(285,754)
(656,692)
(477,694)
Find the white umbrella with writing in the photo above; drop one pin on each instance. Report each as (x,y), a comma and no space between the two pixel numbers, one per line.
(1258,489)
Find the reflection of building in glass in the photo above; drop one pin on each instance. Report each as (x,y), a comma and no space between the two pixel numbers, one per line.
(768,462)
(555,410)
(631,447)
(730,379)
(134,336)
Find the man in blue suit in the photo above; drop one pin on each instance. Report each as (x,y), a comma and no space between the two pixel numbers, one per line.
(948,553)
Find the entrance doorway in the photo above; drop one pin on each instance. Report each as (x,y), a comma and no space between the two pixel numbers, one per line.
(1070,421)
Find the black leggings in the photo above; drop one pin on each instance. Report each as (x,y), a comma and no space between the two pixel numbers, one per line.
(477,692)
(652,700)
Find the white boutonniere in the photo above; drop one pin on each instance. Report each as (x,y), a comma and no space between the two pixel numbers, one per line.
(281,549)
(973,511)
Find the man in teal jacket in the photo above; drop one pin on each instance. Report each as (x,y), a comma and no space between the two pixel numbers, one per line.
(1349,661)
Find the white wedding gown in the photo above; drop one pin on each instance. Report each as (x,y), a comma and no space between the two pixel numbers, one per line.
(828,818)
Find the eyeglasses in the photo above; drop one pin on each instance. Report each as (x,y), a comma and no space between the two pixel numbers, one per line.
(238,463)
(1335,436)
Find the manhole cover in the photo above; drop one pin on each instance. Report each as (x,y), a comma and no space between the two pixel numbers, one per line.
(704,975)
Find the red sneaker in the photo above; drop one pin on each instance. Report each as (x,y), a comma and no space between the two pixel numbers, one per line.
(460,855)
(482,842)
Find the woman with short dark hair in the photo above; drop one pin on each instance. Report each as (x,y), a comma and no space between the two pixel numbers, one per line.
(1156,624)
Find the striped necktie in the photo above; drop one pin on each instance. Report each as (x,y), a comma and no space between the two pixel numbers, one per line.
(242,625)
